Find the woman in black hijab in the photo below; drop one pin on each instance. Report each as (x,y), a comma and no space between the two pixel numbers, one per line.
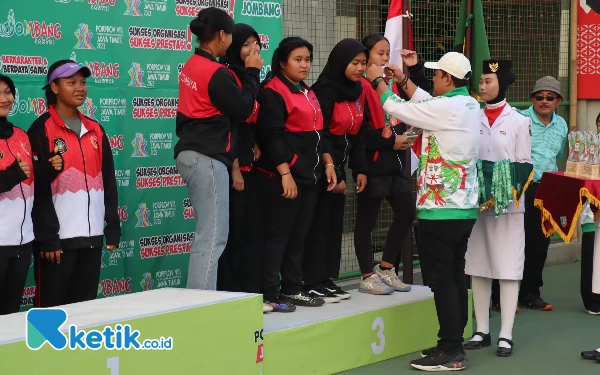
(342,100)
(240,265)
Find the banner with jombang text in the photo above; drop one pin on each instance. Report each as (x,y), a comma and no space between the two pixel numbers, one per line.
(135,50)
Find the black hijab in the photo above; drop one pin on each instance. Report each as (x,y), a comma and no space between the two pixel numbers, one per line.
(6,127)
(506,77)
(333,82)
(241,33)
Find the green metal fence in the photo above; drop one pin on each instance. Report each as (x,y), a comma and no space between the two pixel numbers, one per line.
(534,34)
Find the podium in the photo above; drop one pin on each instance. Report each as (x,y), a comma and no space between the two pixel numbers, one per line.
(353,333)
(212,333)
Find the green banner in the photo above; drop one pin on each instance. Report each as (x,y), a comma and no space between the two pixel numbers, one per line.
(135,50)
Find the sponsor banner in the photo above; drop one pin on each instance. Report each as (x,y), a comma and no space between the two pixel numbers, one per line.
(135,50)
(588,50)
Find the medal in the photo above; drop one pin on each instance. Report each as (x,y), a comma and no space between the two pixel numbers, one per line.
(387,132)
(389,120)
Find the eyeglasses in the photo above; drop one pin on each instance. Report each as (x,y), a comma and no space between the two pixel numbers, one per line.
(540,98)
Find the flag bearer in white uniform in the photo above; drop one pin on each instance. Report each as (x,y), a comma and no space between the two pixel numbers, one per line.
(496,247)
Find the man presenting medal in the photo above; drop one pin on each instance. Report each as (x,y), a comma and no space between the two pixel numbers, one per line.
(447,197)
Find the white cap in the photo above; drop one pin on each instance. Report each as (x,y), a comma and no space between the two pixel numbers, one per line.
(454,63)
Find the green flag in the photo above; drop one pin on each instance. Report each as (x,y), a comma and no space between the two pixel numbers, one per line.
(501,182)
(479,44)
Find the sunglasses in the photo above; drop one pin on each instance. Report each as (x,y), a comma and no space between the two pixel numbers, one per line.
(540,98)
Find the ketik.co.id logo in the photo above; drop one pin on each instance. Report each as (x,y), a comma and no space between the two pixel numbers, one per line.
(43,326)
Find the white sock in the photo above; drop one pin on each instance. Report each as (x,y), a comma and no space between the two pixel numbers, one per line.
(509,295)
(482,292)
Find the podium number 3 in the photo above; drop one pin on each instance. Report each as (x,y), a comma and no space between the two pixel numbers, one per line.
(113,365)
(378,326)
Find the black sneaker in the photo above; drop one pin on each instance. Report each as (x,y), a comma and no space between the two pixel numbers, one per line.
(430,351)
(278,304)
(535,303)
(441,361)
(331,287)
(319,291)
(303,299)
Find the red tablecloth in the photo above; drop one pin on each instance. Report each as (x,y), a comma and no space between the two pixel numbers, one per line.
(561,199)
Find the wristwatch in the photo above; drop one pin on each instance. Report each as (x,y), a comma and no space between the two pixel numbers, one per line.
(376,82)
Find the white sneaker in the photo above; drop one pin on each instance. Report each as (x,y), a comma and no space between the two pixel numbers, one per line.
(267,308)
(375,285)
(390,277)
(593,312)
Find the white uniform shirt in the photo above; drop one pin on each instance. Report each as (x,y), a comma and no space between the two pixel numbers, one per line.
(507,138)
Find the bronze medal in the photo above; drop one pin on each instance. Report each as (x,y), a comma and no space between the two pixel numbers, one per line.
(387,132)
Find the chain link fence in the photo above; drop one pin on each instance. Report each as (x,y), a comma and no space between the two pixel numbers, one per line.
(534,34)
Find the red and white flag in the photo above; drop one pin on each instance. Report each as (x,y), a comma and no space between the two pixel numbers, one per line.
(398,30)
(397,25)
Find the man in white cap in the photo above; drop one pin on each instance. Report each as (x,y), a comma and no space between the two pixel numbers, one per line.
(447,194)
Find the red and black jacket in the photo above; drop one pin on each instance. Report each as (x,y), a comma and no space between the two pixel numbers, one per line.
(290,130)
(381,157)
(210,103)
(78,206)
(16,192)
(344,124)
(245,136)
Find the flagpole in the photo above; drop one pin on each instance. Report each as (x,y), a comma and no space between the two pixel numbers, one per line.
(469,31)
(407,256)
(468,55)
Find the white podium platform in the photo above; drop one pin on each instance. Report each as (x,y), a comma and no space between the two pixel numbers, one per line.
(207,329)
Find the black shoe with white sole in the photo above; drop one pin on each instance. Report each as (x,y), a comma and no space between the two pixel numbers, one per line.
(332,288)
(441,361)
(303,299)
(430,351)
(590,354)
(319,291)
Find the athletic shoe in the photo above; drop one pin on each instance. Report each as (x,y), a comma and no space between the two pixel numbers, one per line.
(303,299)
(390,277)
(375,285)
(535,303)
(430,351)
(441,361)
(319,291)
(331,287)
(267,308)
(590,354)
(280,305)
(593,312)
